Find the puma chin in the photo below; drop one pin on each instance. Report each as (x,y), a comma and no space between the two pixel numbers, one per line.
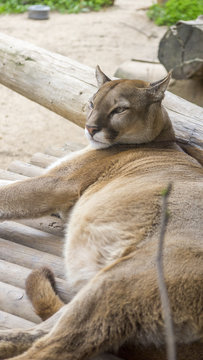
(96,144)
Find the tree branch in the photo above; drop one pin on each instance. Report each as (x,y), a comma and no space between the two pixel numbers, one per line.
(170,339)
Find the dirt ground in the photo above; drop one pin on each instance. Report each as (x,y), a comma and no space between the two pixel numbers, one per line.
(108,38)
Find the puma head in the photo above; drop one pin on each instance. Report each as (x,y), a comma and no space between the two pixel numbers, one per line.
(125,111)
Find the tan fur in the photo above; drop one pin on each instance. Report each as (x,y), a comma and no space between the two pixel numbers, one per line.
(40,288)
(114,194)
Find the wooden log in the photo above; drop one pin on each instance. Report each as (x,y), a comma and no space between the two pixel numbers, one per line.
(144,69)
(180,49)
(49,224)
(8,175)
(25,169)
(16,275)
(43,160)
(34,238)
(30,258)
(66,85)
(9,321)
(14,300)
(181,120)
(62,151)
(185,115)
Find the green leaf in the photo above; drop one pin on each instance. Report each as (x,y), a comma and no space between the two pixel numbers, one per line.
(71,6)
(175,10)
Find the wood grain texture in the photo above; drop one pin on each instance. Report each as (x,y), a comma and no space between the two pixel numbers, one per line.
(42,160)
(16,275)
(65,85)
(30,258)
(14,300)
(49,224)
(180,49)
(33,238)
(25,169)
(9,321)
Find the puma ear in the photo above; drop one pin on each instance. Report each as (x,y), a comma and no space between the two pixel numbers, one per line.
(101,77)
(157,89)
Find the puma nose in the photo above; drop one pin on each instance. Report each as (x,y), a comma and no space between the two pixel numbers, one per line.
(93,129)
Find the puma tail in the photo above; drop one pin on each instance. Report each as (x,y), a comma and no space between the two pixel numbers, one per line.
(41,290)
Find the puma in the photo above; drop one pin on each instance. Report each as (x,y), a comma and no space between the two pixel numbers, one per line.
(110,194)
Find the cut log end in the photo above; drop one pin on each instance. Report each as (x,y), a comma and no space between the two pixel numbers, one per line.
(180,49)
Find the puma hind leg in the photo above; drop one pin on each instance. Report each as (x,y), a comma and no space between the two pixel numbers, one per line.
(16,341)
(119,307)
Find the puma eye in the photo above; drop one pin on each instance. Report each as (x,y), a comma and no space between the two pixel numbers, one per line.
(119,110)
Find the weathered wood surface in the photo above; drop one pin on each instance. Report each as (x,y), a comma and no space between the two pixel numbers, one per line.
(33,238)
(42,160)
(29,257)
(66,85)
(27,244)
(8,175)
(25,169)
(14,300)
(16,275)
(62,151)
(181,51)
(7,320)
(50,224)
(144,69)
(187,120)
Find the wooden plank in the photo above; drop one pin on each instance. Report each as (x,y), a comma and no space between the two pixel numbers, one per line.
(25,169)
(9,321)
(50,224)
(43,160)
(30,258)
(16,275)
(34,238)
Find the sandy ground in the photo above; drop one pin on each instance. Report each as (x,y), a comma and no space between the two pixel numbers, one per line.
(107,38)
